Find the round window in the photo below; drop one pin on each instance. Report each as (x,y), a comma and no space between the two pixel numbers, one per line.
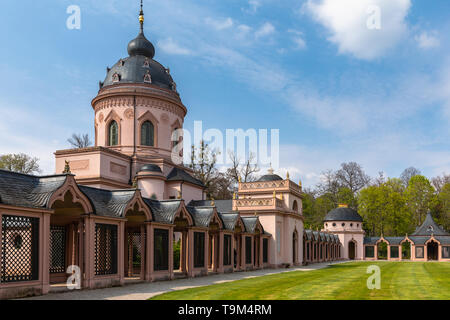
(343,224)
(334,224)
(351,224)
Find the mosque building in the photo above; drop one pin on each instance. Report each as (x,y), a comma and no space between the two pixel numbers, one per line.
(114,212)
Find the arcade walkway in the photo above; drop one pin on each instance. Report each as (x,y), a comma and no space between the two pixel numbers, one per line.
(143,291)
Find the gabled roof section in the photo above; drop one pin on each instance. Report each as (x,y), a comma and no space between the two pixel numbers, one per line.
(251,223)
(109,203)
(202,215)
(178,174)
(430,227)
(229,220)
(28,191)
(164,211)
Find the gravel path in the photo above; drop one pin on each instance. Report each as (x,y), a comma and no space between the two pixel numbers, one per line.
(143,291)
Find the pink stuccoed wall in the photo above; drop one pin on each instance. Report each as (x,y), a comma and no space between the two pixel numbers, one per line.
(351,231)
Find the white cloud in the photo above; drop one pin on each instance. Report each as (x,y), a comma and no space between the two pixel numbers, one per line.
(298,39)
(346,21)
(219,24)
(171,47)
(427,41)
(265,30)
(253,6)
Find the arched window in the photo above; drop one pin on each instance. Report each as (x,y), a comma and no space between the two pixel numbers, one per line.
(176,137)
(295,206)
(148,134)
(113,133)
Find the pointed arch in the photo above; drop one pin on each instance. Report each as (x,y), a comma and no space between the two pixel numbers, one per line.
(183,213)
(70,187)
(138,203)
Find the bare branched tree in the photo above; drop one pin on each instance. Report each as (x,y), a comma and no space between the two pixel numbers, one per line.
(440,181)
(408,173)
(245,171)
(352,176)
(79,141)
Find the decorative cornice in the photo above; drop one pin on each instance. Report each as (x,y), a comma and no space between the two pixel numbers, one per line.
(90,149)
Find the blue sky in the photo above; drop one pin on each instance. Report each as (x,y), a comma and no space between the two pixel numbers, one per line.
(337,90)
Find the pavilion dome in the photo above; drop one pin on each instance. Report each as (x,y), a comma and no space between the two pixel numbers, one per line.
(343,213)
(150,168)
(270,176)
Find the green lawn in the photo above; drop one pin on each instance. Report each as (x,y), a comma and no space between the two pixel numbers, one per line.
(347,281)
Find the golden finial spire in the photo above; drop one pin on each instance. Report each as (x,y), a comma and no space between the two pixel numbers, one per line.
(234,195)
(239,179)
(141,17)
(274,194)
(287,175)
(212,202)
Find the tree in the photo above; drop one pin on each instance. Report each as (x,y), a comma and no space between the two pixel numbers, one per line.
(21,163)
(444,206)
(439,182)
(419,197)
(352,176)
(204,165)
(239,171)
(79,141)
(329,185)
(408,173)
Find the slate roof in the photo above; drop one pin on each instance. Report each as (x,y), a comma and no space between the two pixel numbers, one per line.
(222,206)
(343,214)
(229,220)
(108,203)
(163,211)
(430,227)
(309,234)
(28,191)
(250,223)
(394,240)
(443,239)
(419,239)
(177,174)
(202,215)
(371,240)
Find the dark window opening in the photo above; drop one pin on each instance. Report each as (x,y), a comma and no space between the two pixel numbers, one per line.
(161,248)
(199,249)
(370,251)
(248,250)
(265,250)
(227,250)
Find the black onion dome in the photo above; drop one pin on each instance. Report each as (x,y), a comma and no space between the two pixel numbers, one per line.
(150,168)
(343,214)
(270,177)
(141,46)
